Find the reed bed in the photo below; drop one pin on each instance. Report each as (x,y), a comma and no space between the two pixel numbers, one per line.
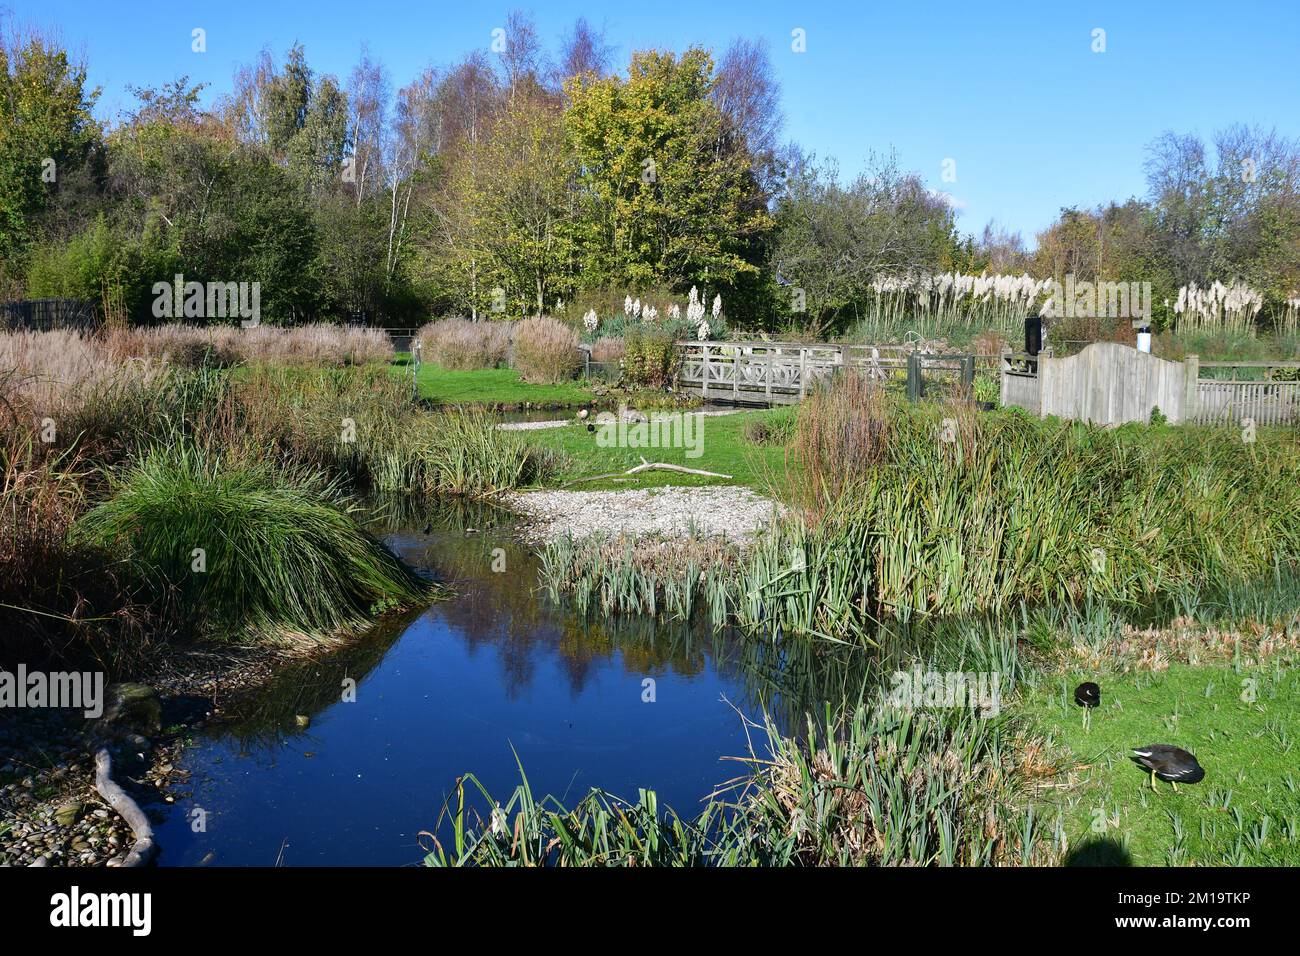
(306,345)
(876,785)
(907,510)
(81,429)
(361,425)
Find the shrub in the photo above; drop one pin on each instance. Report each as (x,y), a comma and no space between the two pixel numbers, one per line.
(279,552)
(650,359)
(545,350)
(461,344)
(988,388)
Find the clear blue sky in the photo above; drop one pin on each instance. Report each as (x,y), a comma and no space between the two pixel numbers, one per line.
(1013,92)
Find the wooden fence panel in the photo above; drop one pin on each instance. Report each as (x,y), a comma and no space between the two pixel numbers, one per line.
(1108,384)
(1221,402)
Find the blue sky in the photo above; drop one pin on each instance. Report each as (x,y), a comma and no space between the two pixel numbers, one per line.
(1012,92)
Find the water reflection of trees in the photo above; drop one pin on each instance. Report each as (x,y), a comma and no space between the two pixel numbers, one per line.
(504,614)
(267,714)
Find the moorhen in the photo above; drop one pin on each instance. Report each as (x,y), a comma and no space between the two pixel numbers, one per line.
(1169,763)
(1087,694)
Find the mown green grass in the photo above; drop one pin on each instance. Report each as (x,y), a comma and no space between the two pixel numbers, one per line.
(1248,749)
(490,386)
(723,448)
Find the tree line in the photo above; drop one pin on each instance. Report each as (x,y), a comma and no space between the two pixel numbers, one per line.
(522,181)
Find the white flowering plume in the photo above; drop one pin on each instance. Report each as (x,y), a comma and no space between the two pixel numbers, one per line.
(998,301)
(703,332)
(695,308)
(1288,323)
(591,320)
(1217,308)
(717,305)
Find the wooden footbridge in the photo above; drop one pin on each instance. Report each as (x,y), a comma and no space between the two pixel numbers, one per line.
(782,373)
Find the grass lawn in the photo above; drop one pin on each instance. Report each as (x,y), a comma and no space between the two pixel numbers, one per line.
(492,386)
(722,443)
(1247,809)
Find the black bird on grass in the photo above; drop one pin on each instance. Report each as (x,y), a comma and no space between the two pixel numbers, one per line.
(1169,763)
(1087,694)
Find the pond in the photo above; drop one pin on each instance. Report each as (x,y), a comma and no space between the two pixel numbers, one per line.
(463,686)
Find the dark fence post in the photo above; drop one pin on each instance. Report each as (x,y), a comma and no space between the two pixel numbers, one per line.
(915,388)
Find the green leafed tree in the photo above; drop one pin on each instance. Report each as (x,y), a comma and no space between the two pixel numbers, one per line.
(667,192)
(47,132)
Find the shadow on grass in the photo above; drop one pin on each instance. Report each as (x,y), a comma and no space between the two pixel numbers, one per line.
(1099,851)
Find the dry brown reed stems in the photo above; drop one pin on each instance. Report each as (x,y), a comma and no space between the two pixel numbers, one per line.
(607,349)
(841,431)
(460,344)
(306,345)
(55,374)
(545,350)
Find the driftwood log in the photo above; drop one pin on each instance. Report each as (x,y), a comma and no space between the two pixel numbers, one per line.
(648,466)
(145,847)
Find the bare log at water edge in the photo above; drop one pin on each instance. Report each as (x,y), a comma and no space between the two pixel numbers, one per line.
(144,848)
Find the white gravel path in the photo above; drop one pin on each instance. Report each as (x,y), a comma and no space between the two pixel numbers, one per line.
(532,426)
(560,423)
(726,511)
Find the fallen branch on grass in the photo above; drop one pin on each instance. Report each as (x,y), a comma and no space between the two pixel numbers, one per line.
(648,466)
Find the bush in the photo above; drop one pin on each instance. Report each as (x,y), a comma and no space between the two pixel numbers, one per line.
(280,552)
(650,359)
(545,350)
(461,344)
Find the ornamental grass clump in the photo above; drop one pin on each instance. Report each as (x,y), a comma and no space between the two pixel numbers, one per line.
(1217,308)
(247,549)
(456,343)
(545,350)
(191,346)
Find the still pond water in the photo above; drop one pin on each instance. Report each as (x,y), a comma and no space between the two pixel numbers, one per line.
(451,690)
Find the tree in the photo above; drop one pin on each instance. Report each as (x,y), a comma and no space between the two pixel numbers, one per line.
(833,241)
(584,50)
(525,206)
(749,96)
(462,113)
(1233,213)
(368,95)
(667,198)
(47,133)
(220,210)
(315,154)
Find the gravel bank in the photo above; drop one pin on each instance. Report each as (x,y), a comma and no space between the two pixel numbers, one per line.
(560,423)
(50,812)
(727,512)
